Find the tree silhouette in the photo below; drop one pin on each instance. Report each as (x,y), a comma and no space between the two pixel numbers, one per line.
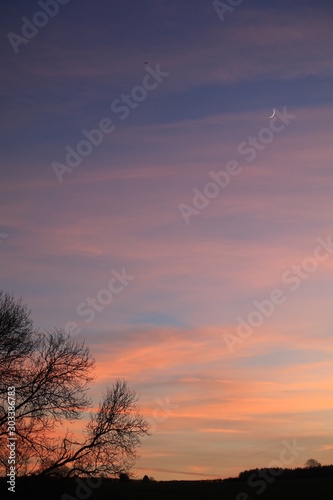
(312,463)
(51,374)
(123,477)
(16,338)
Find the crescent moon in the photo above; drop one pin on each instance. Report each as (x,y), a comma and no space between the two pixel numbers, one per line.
(273,113)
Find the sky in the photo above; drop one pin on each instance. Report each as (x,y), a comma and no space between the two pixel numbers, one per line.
(151,207)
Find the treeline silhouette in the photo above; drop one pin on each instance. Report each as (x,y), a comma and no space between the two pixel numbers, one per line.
(301,483)
(298,473)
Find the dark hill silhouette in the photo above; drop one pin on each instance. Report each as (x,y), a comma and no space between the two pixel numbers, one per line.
(298,473)
(290,484)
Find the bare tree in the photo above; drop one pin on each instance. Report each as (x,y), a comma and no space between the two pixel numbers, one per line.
(17,342)
(51,374)
(111,437)
(16,338)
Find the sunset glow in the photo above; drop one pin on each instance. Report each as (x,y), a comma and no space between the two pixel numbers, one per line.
(185,284)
